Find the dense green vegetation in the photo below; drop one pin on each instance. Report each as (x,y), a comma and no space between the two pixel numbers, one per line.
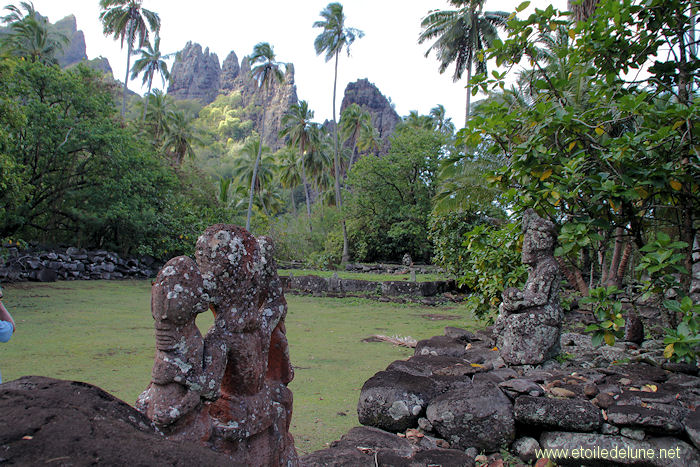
(102,333)
(597,133)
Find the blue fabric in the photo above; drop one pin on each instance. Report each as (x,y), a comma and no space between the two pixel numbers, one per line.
(5,331)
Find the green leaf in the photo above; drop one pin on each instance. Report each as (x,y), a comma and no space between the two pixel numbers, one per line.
(522,6)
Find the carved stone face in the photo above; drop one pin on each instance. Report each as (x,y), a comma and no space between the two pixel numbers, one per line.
(229,258)
(539,238)
(177,295)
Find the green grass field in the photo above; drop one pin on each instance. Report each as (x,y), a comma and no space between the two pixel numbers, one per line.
(102,333)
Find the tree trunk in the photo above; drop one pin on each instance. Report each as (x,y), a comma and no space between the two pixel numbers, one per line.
(145,106)
(611,277)
(354,153)
(574,277)
(469,92)
(306,192)
(130,45)
(255,171)
(338,198)
(291,198)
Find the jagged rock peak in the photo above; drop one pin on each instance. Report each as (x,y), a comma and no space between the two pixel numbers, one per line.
(230,70)
(196,74)
(384,118)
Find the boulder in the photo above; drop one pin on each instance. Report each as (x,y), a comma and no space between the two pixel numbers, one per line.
(557,414)
(593,448)
(650,420)
(394,400)
(479,416)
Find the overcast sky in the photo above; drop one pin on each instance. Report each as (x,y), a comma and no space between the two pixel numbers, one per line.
(389,55)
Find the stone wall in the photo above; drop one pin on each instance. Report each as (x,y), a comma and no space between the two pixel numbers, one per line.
(73,264)
(335,285)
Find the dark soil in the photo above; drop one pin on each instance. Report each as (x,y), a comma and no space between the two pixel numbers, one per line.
(45,421)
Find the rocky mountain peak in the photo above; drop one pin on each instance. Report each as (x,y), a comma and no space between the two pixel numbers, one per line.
(384,118)
(196,74)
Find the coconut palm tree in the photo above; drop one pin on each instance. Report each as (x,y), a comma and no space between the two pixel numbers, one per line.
(180,136)
(28,35)
(353,121)
(297,125)
(462,37)
(265,70)
(415,120)
(254,166)
(288,172)
(369,140)
(152,61)
(157,115)
(334,38)
(443,124)
(128,20)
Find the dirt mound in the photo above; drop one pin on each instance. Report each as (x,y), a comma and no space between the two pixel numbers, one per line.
(56,422)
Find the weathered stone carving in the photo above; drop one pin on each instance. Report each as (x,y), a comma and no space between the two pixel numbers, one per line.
(229,389)
(528,327)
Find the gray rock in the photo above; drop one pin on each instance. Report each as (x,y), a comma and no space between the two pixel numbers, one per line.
(518,386)
(632,433)
(692,427)
(393,400)
(608,429)
(593,448)
(526,449)
(651,420)
(368,97)
(460,334)
(561,414)
(440,345)
(479,416)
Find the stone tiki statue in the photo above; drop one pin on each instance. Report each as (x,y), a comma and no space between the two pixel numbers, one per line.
(529,323)
(227,390)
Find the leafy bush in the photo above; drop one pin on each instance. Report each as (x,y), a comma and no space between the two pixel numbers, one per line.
(608,311)
(489,264)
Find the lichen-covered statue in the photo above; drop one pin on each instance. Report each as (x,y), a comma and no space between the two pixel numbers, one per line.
(228,390)
(177,378)
(529,323)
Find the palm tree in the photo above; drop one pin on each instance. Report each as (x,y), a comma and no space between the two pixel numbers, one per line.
(158,110)
(300,130)
(369,140)
(29,36)
(180,136)
(417,121)
(127,20)
(289,173)
(353,121)
(150,63)
(443,124)
(254,166)
(334,38)
(462,36)
(265,70)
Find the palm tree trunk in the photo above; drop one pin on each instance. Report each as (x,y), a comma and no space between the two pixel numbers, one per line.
(352,157)
(130,41)
(291,198)
(255,171)
(306,192)
(338,198)
(469,92)
(145,106)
